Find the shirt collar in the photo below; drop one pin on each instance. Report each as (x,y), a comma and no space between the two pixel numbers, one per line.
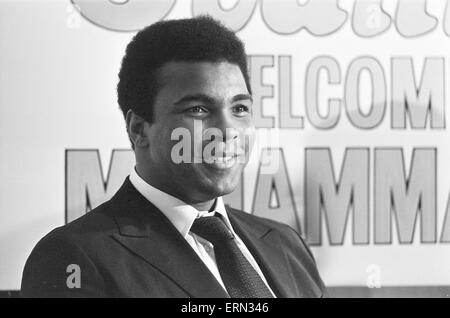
(179,213)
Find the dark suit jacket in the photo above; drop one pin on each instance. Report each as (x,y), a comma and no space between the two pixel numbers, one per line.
(127,248)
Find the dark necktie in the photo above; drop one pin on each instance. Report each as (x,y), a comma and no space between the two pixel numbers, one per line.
(240,278)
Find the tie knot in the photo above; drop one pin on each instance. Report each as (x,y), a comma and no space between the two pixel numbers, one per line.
(212,228)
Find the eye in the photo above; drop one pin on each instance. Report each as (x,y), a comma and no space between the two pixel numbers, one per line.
(240,109)
(197,110)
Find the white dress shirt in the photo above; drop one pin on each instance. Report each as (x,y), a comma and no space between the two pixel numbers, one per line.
(182,216)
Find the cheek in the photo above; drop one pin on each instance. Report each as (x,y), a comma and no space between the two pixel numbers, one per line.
(160,142)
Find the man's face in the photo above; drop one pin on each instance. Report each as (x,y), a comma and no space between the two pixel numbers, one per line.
(197,97)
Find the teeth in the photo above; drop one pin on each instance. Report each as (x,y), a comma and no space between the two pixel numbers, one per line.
(223,159)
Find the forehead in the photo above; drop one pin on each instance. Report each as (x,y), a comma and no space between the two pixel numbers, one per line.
(214,78)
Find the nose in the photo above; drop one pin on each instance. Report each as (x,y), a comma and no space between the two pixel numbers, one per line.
(227,126)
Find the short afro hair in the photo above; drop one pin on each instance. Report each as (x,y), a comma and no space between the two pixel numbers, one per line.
(186,40)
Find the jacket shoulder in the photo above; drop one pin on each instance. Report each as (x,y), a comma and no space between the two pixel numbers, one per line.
(98,221)
(71,247)
(49,268)
(258,221)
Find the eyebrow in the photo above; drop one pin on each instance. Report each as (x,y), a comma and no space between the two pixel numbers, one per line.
(209,100)
(239,97)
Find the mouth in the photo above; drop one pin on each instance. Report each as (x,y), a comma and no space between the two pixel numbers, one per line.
(221,163)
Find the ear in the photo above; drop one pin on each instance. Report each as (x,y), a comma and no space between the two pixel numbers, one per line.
(136,129)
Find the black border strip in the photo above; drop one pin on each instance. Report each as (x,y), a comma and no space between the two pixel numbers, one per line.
(351,292)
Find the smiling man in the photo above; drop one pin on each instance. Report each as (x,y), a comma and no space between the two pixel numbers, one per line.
(167,232)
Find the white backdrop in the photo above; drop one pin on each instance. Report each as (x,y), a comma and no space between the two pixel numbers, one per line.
(350,95)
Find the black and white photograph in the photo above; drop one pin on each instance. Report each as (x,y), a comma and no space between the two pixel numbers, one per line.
(243,149)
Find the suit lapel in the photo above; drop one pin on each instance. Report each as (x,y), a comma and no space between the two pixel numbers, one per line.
(265,246)
(145,231)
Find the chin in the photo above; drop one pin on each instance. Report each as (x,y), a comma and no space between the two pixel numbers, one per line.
(216,182)
(219,188)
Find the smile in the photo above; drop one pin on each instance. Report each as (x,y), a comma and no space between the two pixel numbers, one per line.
(225,162)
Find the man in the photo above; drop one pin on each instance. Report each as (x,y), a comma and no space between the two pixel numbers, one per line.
(166,232)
